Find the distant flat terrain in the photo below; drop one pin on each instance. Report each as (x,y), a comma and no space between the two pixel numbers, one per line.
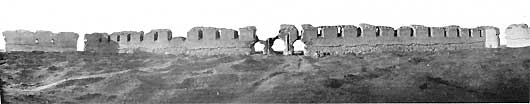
(483,75)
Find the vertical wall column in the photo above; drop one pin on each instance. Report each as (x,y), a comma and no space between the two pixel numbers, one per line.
(492,37)
(367,30)
(309,32)
(267,49)
(229,34)
(405,31)
(248,33)
(464,32)
(452,31)
(350,31)
(330,32)
(438,32)
(289,34)
(386,32)
(420,31)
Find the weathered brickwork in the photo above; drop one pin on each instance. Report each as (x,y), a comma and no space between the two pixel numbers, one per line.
(321,40)
(23,40)
(200,41)
(350,39)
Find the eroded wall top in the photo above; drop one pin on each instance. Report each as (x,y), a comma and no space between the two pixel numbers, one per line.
(366,34)
(211,37)
(23,40)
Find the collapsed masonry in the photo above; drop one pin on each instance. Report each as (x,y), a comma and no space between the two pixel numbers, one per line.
(349,39)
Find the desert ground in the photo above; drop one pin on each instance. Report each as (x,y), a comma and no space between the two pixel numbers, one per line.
(479,75)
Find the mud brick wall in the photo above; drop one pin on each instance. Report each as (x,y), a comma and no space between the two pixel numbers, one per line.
(372,38)
(47,41)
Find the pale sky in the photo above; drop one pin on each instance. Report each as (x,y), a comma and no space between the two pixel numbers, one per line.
(88,16)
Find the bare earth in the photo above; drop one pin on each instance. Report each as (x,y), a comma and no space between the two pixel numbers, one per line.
(486,75)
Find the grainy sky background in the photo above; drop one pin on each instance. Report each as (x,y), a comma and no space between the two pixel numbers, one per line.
(88,16)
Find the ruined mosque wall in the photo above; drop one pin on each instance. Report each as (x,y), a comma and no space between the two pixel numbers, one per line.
(129,41)
(342,39)
(200,41)
(23,40)
(211,41)
(345,39)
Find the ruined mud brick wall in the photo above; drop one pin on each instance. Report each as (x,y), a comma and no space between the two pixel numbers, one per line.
(23,40)
(129,41)
(210,41)
(100,43)
(200,41)
(517,35)
(346,39)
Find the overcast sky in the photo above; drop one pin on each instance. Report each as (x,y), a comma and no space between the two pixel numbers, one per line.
(88,16)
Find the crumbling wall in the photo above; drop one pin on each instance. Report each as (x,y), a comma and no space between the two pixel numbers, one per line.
(200,41)
(131,41)
(405,31)
(407,38)
(492,36)
(23,40)
(211,40)
(289,34)
(517,35)
(100,43)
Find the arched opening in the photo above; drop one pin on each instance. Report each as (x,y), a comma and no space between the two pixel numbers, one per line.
(36,41)
(299,47)
(100,39)
(377,32)
(396,33)
(458,32)
(278,46)
(128,37)
(445,32)
(52,41)
(141,37)
(359,32)
(258,47)
(217,34)
(156,36)
(118,38)
(319,32)
(108,39)
(236,35)
(469,32)
(199,35)
(169,35)
(339,31)
(412,32)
